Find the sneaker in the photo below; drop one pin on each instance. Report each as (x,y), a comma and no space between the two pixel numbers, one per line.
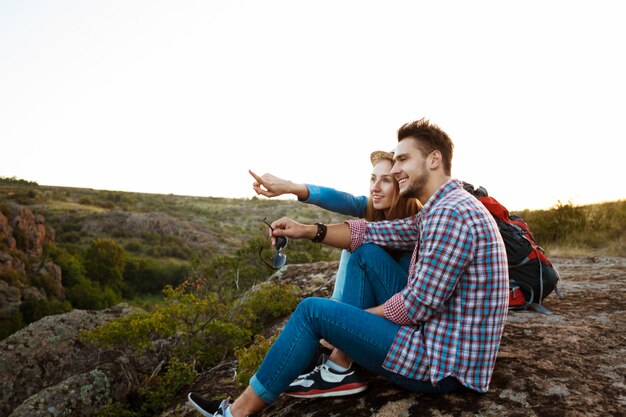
(326,382)
(203,406)
(312,365)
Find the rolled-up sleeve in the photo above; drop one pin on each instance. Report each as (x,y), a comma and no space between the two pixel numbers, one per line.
(395,310)
(357,233)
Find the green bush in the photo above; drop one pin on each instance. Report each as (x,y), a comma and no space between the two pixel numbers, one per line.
(266,304)
(249,358)
(89,295)
(104,263)
(71,266)
(143,275)
(12,277)
(35,309)
(595,227)
(161,391)
(201,328)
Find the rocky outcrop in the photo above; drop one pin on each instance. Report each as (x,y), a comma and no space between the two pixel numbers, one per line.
(22,236)
(191,232)
(6,233)
(28,230)
(78,396)
(569,363)
(46,357)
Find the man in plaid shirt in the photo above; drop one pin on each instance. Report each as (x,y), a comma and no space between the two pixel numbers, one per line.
(437,330)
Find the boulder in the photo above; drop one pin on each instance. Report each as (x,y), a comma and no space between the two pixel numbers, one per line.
(46,353)
(78,396)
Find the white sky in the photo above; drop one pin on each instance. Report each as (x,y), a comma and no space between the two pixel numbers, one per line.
(183,97)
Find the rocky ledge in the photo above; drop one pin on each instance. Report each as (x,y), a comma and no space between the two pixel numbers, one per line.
(569,363)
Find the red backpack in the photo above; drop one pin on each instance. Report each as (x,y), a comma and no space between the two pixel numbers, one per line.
(532,277)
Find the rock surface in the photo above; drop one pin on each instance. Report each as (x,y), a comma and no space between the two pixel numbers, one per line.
(569,363)
(79,395)
(22,236)
(47,353)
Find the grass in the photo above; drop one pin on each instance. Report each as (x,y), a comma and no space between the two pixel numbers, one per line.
(564,230)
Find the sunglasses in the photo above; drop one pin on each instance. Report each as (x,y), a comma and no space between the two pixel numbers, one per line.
(280,259)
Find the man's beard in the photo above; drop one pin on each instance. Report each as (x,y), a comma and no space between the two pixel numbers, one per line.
(416,187)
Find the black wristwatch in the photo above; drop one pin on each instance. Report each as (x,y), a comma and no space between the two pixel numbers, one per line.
(321,232)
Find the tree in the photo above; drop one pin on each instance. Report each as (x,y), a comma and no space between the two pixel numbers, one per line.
(104,263)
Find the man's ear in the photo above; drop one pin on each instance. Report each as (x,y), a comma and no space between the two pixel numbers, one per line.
(435,159)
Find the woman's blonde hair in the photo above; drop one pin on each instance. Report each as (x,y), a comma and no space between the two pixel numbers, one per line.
(400,207)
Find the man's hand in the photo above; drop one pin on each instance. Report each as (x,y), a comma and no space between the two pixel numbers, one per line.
(337,235)
(270,186)
(292,229)
(378,310)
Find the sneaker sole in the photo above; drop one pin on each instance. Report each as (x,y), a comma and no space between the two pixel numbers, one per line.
(197,407)
(319,394)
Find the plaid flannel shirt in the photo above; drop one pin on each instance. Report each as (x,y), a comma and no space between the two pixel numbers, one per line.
(454,306)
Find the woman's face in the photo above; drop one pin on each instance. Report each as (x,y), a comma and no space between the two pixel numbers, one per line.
(382,185)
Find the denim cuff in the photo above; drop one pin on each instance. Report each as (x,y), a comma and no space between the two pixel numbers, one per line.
(260,390)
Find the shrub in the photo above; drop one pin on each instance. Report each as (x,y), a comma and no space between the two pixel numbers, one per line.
(200,328)
(89,295)
(249,358)
(12,277)
(71,266)
(35,309)
(160,391)
(149,276)
(104,263)
(267,303)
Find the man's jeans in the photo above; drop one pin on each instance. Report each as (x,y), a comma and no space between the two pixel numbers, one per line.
(372,277)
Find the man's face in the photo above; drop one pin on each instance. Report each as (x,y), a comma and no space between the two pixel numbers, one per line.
(410,169)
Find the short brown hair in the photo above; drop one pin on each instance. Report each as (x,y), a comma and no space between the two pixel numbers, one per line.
(429,137)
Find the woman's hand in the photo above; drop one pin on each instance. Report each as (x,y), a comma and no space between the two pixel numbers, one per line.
(270,186)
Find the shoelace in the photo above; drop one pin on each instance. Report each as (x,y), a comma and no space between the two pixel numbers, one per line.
(317,369)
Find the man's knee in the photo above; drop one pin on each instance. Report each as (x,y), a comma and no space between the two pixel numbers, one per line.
(310,305)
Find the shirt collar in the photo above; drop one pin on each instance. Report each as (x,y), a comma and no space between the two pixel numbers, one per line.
(449,186)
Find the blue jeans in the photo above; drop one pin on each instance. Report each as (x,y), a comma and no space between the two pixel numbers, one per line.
(402,258)
(373,276)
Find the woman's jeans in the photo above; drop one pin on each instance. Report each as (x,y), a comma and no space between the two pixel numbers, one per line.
(372,277)
(402,258)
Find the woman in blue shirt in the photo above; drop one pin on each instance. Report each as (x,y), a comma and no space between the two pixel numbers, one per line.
(383,203)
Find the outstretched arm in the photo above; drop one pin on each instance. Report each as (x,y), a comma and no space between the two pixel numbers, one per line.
(327,198)
(272,186)
(337,235)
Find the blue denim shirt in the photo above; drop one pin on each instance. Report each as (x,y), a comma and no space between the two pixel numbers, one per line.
(336,201)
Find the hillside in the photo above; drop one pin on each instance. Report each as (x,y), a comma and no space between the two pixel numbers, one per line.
(64,248)
(67,255)
(208,225)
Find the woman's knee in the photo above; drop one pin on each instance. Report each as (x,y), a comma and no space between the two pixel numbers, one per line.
(366,253)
